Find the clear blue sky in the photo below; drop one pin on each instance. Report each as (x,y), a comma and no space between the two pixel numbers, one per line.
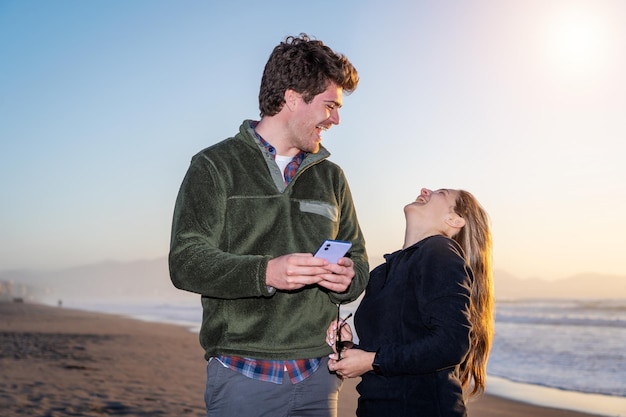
(523,103)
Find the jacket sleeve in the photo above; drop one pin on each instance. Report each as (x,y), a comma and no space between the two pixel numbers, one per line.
(350,230)
(195,261)
(443,290)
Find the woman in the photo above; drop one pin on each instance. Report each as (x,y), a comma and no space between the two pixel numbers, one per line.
(425,324)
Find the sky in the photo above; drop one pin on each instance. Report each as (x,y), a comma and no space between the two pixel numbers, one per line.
(522,103)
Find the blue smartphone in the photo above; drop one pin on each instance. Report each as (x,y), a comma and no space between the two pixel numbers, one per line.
(333,250)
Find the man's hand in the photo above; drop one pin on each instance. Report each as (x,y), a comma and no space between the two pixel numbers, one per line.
(296,270)
(338,276)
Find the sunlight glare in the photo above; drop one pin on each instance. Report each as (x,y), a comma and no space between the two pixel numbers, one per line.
(577,43)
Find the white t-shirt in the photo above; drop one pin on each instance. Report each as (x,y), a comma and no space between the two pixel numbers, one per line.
(282,162)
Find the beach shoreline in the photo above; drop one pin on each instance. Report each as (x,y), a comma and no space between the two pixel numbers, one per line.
(61,361)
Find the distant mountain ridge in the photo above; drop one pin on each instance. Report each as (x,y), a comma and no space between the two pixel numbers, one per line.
(149,279)
(108,280)
(579,286)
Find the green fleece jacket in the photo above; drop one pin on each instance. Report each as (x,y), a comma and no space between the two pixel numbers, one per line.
(233,214)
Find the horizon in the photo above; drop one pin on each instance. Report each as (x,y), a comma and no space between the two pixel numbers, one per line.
(522,104)
(379,258)
(141,280)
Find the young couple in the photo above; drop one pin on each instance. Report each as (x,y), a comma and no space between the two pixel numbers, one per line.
(251,211)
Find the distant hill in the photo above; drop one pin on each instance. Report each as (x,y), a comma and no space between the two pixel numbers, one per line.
(149,279)
(108,280)
(590,286)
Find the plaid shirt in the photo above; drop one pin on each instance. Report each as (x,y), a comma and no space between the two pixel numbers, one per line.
(271,371)
(292,167)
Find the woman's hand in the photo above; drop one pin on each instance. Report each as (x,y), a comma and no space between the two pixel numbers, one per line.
(353,363)
(346,335)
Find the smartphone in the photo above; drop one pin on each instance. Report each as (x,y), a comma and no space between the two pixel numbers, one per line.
(333,250)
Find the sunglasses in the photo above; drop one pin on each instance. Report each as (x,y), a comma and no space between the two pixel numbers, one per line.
(340,345)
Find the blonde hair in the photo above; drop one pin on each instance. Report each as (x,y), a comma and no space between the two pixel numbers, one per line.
(475,239)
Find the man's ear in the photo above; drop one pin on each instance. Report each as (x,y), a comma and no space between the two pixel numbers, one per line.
(291,98)
(456,221)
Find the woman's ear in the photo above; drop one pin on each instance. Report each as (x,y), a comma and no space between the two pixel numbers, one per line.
(455,221)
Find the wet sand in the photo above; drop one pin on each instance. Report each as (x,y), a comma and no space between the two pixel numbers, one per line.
(56,361)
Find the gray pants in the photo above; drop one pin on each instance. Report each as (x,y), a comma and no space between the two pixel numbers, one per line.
(230,394)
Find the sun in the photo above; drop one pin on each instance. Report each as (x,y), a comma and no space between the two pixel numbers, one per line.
(577,42)
(576,39)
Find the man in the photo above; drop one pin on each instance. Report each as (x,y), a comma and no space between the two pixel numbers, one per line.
(250,212)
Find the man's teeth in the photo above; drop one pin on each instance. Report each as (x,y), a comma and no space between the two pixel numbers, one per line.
(322,128)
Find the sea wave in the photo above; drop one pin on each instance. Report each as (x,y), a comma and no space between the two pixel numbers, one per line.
(572,345)
(595,313)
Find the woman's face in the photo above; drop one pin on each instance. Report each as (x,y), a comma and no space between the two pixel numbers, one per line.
(433,206)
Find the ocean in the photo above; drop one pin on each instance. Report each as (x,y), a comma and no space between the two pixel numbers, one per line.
(567,354)
(570,345)
(561,353)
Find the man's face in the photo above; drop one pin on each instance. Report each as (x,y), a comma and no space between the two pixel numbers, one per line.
(310,120)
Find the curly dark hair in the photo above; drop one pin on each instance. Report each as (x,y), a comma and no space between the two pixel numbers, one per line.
(306,66)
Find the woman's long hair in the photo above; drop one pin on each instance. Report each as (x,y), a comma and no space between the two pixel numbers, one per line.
(475,239)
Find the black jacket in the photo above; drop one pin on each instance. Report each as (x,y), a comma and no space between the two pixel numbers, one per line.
(415,314)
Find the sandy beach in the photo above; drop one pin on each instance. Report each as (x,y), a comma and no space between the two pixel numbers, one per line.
(56,361)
